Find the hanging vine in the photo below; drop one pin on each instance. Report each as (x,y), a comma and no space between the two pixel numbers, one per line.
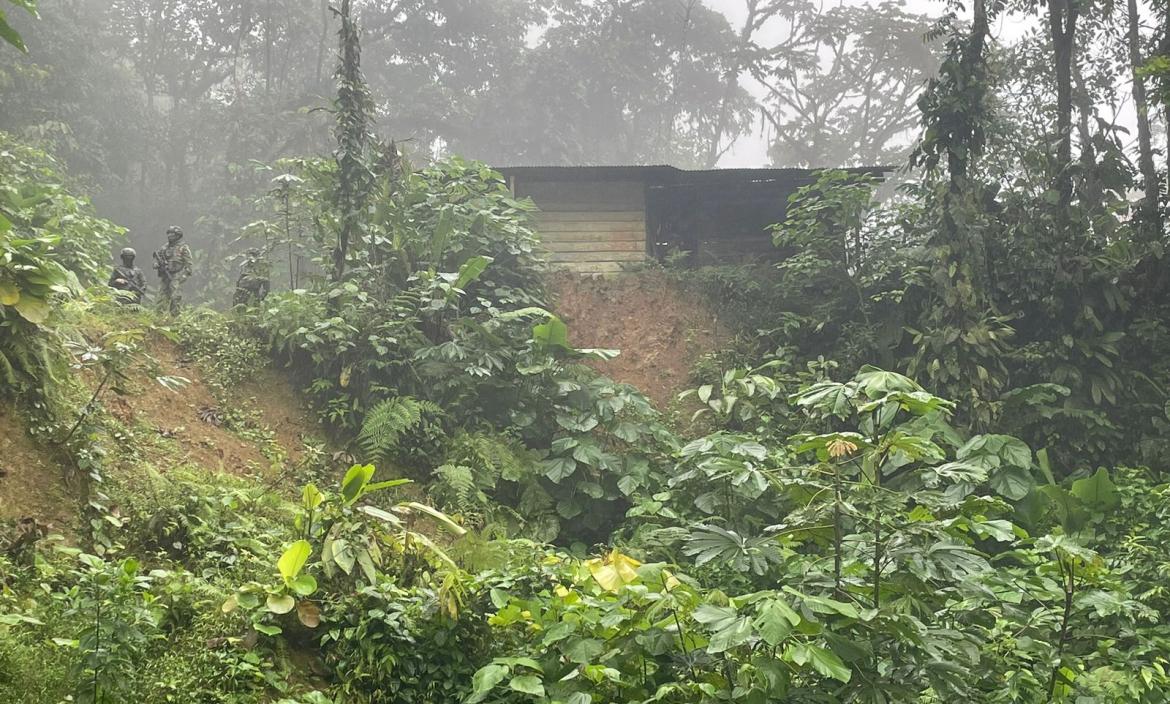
(354,110)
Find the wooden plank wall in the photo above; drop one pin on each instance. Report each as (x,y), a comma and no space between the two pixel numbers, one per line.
(590,227)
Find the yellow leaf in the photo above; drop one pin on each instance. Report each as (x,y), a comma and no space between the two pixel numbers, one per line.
(34,310)
(9,293)
(345,372)
(613,571)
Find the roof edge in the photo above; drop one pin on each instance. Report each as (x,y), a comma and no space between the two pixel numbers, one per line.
(667,173)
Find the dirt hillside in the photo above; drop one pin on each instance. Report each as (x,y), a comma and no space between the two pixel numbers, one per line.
(268,422)
(660,330)
(184,415)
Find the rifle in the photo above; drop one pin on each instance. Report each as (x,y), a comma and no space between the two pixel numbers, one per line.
(160,266)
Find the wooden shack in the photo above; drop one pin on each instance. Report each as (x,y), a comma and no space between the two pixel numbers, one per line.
(599,219)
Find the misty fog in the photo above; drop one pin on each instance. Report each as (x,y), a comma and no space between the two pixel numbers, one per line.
(171,112)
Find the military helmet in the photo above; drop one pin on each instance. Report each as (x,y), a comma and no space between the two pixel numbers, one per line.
(128,252)
(175,230)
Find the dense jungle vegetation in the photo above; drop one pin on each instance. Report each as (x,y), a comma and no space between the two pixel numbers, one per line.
(931,467)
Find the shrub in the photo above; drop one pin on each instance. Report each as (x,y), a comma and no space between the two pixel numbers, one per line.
(51,247)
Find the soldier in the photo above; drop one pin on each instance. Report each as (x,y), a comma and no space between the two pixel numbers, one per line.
(173,264)
(253,284)
(128,278)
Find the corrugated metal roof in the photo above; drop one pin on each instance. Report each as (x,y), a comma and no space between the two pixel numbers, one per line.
(665,174)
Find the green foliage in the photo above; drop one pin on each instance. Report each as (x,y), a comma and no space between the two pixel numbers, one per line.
(386,423)
(393,645)
(971,291)
(7,33)
(889,525)
(447,252)
(338,534)
(51,246)
(118,622)
(227,350)
(807,539)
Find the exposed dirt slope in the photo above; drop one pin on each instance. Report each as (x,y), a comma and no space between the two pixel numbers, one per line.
(660,330)
(177,414)
(31,477)
(172,428)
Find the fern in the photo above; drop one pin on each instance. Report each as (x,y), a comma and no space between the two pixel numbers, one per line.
(386,422)
(493,457)
(457,484)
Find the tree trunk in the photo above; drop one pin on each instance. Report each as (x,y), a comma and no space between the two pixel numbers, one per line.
(675,108)
(322,44)
(1151,224)
(731,81)
(970,71)
(1089,190)
(268,47)
(1062,24)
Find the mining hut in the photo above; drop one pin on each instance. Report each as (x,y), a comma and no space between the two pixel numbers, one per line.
(598,219)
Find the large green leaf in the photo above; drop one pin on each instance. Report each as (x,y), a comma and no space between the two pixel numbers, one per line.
(828,396)
(9,293)
(471,270)
(438,515)
(355,481)
(441,236)
(293,560)
(484,681)
(311,497)
(775,620)
(876,383)
(8,34)
(715,617)
(995,450)
(1012,482)
(281,603)
(557,469)
(730,635)
(304,584)
(553,333)
(1069,509)
(823,661)
(527,684)
(1097,491)
(583,651)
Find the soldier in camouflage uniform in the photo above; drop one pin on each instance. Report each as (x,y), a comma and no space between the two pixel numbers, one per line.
(173,264)
(128,278)
(253,284)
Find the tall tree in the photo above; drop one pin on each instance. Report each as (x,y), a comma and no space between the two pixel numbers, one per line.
(1150,211)
(846,92)
(1062,27)
(603,82)
(758,12)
